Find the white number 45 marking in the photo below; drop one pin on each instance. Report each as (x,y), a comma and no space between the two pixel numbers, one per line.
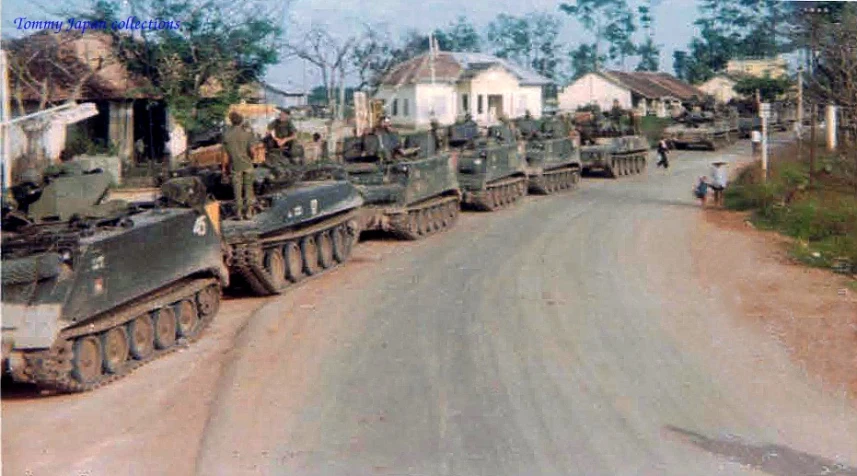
(199,227)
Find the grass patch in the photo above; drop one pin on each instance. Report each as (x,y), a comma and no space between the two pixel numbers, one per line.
(823,220)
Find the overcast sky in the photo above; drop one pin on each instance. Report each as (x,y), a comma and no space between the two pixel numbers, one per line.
(673,22)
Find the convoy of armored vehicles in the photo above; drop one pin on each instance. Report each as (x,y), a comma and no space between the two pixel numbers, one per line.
(611,151)
(706,129)
(409,189)
(552,155)
(491,171)
(93,288)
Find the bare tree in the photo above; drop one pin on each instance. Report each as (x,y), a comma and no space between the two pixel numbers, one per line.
(327,53)
(834,78)
(48,68)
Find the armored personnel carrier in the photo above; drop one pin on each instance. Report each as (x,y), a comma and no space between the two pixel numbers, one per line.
(552,156)
(305,221)
(611,150)
(490,168)
(704,129)
(410,185)
(94,289)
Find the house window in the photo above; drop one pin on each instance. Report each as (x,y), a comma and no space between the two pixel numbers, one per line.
(395,107)
(479,108)
(405,105)
(465,103)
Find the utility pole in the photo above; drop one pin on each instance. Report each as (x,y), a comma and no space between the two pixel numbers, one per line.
(800,95)
(812,11)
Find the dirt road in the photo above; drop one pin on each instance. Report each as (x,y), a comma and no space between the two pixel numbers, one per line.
(567,335)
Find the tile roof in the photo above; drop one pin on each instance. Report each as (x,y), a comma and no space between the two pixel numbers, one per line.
(653,85)
(453,66)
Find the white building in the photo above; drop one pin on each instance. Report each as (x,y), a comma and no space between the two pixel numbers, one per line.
(649,93)
(454,84)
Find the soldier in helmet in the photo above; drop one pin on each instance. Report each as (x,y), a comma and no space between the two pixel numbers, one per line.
(388,140)
(238,143)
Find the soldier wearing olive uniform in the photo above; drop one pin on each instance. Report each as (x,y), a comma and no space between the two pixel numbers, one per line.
(238,142)
(282,135)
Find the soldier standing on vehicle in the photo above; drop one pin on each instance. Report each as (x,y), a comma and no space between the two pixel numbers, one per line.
(238,143)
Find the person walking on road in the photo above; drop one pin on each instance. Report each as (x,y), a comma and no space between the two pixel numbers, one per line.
(663,150)
(719,180)
(238,143)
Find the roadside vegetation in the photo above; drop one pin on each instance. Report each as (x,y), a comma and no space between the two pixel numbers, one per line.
(821,218)
(653,128)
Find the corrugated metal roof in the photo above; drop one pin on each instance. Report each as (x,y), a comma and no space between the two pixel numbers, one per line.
(454,66)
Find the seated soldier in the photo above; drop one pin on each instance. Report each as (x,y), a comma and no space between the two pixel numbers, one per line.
(282,136)
(389,144)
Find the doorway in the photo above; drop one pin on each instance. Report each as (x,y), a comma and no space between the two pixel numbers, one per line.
(150,131)
(495,106)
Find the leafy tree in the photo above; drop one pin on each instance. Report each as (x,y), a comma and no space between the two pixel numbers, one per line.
(459,35)
(197,68)
(736,29)
(583,60)
(649,52)
(530,40)
(708,55)
(769,88)
(609,21)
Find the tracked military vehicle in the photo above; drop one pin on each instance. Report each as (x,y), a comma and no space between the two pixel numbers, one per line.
(552,156)
(704,129)
(490,168)
(410,186)
(94,289)
(611,150)
(305,221)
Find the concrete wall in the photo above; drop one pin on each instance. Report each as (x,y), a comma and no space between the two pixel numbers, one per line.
(496,81)
(447,101)
(593,89)
(440,98)
(529,98)
(400,96)
(759,67)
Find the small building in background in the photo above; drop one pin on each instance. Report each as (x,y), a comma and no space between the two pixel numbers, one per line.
(446,86)
(648,93)
(48,68)
(722,86)
(279,95)
(759,67)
